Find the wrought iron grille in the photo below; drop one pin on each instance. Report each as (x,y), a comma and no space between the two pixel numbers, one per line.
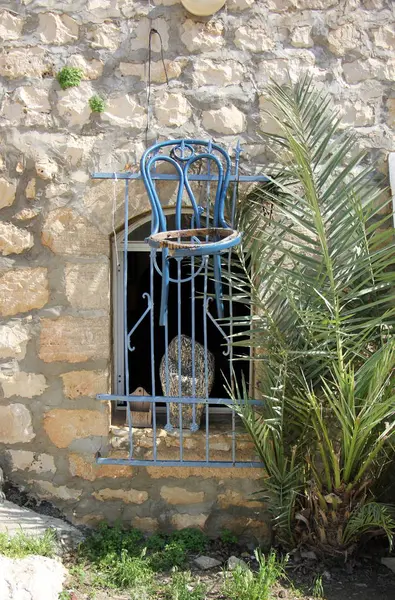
(191,265)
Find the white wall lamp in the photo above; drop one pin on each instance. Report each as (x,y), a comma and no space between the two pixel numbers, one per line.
(203,8)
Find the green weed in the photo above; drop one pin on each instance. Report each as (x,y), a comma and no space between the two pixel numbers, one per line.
(172,555)
(193,540)
(182,587)
(227,537)
(318,588)
(244,584)
(69,77)
(21,544)
(122,571)
(97,104)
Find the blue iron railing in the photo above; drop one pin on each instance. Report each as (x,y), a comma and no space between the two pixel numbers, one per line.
(189,260)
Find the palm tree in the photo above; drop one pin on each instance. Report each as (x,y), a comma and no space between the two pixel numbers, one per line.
(318,273)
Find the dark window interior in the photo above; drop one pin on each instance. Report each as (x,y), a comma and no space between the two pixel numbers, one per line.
(140,359)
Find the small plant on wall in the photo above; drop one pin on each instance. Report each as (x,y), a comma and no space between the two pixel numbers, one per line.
(69,77)
(97,104)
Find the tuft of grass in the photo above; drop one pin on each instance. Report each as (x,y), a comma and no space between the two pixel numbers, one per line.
(182,587)
(21,544)
(69,77)
(122,571)
(97,104)
(318,588)
(244,584)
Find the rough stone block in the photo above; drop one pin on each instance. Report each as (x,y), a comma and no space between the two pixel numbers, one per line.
(177,495)
(57,29)
(31,578)
(384,37)
(7,192)
(202,37)
(92,69)
(88,285)
(30,190)
(66,232)
(343,39)
(24,62)
(85,383)
(254,39)
(209,72)
(301,37)
(124,111)
(234,498)
(15,424)
(130,496)
(74,339)
(14,337)
(10,26)
(239,5)
(106,35)
(22,290)
(181,521)
(25,385)
(64,426)
(23,460)
(14,240)
(86,469)
(47,491)
(141,32)
(204,473)
(172,110)
(226,120)
(73,104)
(174,69)
(147,524)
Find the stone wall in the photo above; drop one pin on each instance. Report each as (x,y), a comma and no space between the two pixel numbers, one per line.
(55,342)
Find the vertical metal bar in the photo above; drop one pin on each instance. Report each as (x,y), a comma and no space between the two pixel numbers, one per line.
(168,426)
(205,309)
(125,314)
(231,328)
(152,344)
(179,322)
(194,425)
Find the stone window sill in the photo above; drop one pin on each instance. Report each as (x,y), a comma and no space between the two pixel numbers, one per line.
(194,443)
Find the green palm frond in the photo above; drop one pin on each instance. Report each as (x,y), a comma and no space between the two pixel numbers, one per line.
(318,272)
(371,518)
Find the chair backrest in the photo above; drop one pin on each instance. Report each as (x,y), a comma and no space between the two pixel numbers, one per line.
(187,156)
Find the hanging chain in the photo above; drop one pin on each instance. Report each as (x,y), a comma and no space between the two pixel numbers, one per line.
(149,82)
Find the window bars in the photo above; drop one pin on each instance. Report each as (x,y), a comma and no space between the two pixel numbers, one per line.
(187,265)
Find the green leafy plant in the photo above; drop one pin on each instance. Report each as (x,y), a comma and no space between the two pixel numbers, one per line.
(193,540)
(172,555)
(21,544)
(182,587)
(97,104)
(69,77)
(227,537)
(244,584)
(116,557)
(318,272)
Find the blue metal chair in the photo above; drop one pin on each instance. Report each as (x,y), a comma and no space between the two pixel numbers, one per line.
(210,241)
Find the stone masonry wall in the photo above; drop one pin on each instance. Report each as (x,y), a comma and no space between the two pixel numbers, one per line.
(55,227)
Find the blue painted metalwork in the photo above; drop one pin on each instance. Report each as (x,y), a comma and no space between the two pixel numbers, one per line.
(204,247)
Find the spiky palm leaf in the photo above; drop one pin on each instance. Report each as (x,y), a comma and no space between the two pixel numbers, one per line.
(318,273)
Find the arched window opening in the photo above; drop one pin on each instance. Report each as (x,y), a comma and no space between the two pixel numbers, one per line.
(140,360)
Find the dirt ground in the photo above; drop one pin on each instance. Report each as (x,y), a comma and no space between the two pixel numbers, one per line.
(369,580)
